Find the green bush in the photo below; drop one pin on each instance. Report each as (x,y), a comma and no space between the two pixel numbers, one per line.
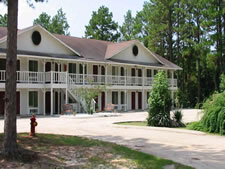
(159,102)
(213,120)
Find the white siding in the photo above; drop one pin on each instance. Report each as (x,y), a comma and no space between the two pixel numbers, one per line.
(48,43)
(143,55)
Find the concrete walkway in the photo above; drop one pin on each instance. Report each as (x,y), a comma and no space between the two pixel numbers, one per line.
(191,148)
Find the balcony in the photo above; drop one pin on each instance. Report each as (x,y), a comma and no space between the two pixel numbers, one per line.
(27,77)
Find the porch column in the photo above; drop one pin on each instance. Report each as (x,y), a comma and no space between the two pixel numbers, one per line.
(58,101)
(52,101)
(125,100)
(136,100)
(125,74)
(143,100)
(172,79)
(106,74)
(106,97)
(83,65)
(66,96)
(143,76)
(44,102)
(119,100)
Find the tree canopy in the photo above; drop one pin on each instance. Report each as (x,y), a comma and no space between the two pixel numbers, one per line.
(127,28)
(3,20)
(101,26)
(57,24)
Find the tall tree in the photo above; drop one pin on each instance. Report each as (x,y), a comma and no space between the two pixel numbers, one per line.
(57,24)
(127,28)
(3,20)
(10,148)
(101,26)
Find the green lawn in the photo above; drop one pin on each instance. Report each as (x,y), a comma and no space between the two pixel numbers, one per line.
(57,151)
(134,123)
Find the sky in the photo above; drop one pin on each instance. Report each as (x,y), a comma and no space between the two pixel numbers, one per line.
(78,12)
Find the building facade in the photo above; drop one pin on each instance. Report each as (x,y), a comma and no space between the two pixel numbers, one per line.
(51,67)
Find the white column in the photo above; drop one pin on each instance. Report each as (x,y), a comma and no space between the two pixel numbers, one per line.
(51,101)
(44,102)
(143,76)
(66,96)
(125,100)
(136,100)
(143,99)
(172,78)
(106,74)
(106,97)
(58,101)
(119,100)
(83,65)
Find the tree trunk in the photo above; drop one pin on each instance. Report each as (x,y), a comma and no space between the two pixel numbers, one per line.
(10,147)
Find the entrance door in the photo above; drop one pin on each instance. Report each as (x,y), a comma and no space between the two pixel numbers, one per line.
(48,67)
(18,103)
(133,74)
(56,102)
(103,101)
(133,100)
(95,72)
(48,103)
(139,100)
(95,69)
(2,103)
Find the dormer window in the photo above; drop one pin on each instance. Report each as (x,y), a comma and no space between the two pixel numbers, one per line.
(36,37)
(135,50)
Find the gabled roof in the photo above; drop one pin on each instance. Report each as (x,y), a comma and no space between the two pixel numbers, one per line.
(21,31)
(97,50)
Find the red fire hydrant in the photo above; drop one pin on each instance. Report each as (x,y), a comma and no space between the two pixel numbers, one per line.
(33,124)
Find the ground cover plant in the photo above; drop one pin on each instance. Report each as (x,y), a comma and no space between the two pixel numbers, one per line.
(56,151)
(213,120)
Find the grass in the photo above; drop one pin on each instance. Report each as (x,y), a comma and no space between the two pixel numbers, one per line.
(57,151)
(134,123)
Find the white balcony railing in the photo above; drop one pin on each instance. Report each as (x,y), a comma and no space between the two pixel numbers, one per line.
(81,79)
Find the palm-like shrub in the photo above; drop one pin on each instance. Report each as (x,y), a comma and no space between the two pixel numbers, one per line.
(159,102)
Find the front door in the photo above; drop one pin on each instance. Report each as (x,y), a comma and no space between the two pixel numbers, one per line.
(2,103)
(18,103)
(139,100)
(48,103)
(133,100)
(103,101)
(48,67)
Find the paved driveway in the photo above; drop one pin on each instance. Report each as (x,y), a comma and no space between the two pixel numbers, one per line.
(188,147)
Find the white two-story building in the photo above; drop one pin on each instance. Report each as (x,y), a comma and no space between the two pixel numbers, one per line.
(50,67)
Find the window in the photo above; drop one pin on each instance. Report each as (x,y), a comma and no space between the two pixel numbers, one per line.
(155,72)
(81,69)
(33,99)
(114,97)
(33,65)
(114,70)
(72,67)
(122,98)
(139,73)
(149,73)
(135,50)
(122,72)
(33,102)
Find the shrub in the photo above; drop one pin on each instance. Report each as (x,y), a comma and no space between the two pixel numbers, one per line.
(159,102)
(213,120)
(177,116)
(177,119)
